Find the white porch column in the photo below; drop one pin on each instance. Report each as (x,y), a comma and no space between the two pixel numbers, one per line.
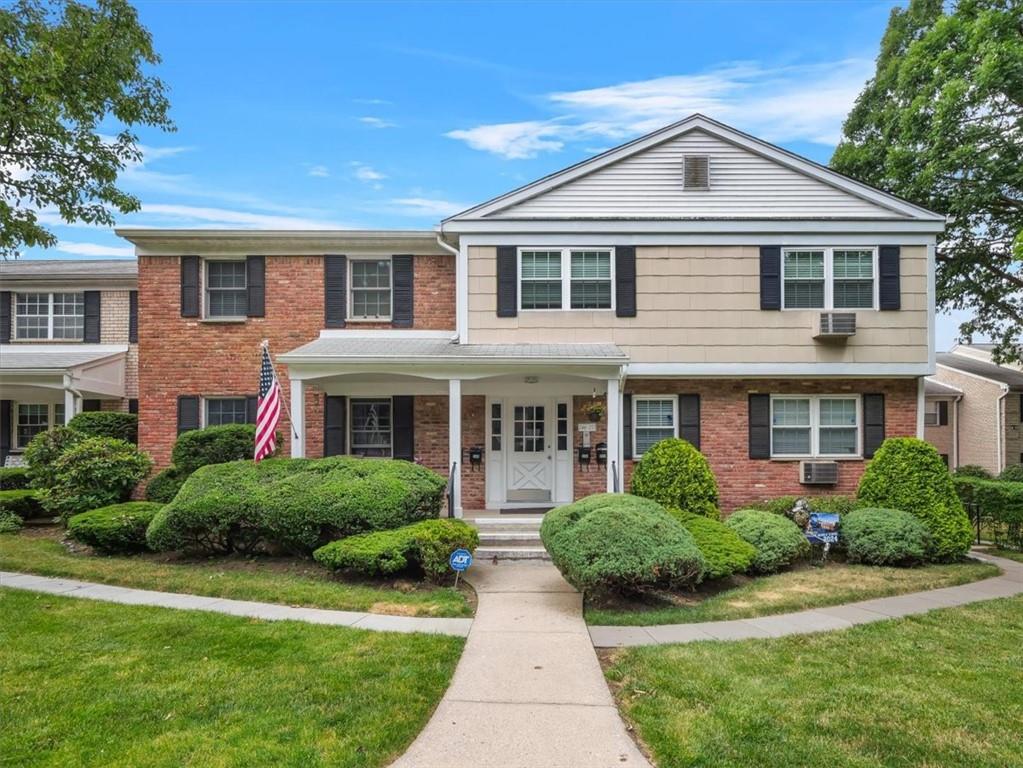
(70,401)
(297,418)
(455,441)
(614,431)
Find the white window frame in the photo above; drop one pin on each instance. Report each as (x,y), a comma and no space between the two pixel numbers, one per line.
(49,316)
(829,277)
(204,416)
(635,428)
(51,420)
(815,426)
(931,413)
(204,277)
(350,424)
(350,289)
(566,276)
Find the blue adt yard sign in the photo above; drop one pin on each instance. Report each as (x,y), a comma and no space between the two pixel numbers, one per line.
(460,560)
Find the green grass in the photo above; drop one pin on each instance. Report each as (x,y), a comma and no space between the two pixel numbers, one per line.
(272,580)
(96,684)
(794,590)
(1008,554)
(941,689)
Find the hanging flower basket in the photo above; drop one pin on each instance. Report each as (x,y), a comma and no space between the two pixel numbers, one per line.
(595,412)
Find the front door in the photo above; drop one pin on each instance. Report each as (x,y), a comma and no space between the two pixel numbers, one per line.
(530,469)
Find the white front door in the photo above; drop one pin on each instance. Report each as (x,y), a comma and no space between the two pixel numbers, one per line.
(530,465)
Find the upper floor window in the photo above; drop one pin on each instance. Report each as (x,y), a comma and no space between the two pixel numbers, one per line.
(50,316)
(829,278)
(370,289)
(822,425)
(226,410)
(548,276)
(226,294)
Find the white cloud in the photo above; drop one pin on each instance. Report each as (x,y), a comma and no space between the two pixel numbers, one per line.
(806,102)
(93,249)
(223,217)
(320,171)
(367,173)
(376,122)
(425,206)
(372,102)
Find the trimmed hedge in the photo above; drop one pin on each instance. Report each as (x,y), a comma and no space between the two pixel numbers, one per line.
(9,522)
(885,537)
(724,552)
(907,473)
(294,504)
(13,478)
(117,528)
(617,542)
(115,424)
(42,452)
(973,470)
(674,474)
(94,473)
(23,502)
(999,501)
(165,485)
(426,545)
(777,540)
(213,445)
(1012,474)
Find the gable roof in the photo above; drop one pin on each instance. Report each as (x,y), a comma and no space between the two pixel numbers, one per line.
(997,373)
(873,203)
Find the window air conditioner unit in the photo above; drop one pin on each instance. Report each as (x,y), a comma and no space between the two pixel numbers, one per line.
(836,325)
(818,472)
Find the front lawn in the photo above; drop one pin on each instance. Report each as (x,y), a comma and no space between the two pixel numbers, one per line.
(1008,554)
(795,590)
(940,689)
(274,580)
(96,684)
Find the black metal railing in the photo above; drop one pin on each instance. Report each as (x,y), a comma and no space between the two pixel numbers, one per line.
(451,489)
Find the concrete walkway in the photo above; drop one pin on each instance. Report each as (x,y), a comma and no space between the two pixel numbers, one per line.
(528,691)
(1009,584)
(270,611)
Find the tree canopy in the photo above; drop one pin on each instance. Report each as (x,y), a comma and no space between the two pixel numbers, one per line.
(941,124)
(73,84)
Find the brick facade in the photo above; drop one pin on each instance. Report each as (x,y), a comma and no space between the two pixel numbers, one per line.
(593,478)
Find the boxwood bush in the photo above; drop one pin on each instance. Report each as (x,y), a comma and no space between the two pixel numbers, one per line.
(117,528)
(293,504)
(620,543)
(1012,474)
(724,552)
(777,540)
(213,445)
(425,545)
(164,485)
(120,426)
(885,537)
(9,522)
(94,473)
(42,452)
(23,502)
(13,478)
(972,470)
(782,505)
(907,473)
(674,474)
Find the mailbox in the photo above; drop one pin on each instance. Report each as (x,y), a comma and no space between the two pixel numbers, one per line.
(476,458)
(584,456)
(601,454)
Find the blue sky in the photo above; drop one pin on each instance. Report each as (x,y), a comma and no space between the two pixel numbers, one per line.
(394,115)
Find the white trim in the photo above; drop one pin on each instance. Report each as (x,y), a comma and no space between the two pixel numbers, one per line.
(921,405)
(614,431)
(931,302)
(350,289)
(761,370)
(829,277)
(636,455)
(815,426)
(297,418)
(704,228)
(462,293)
(566,277)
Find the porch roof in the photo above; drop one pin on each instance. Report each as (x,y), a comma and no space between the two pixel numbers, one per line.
(55,357)
(93,370)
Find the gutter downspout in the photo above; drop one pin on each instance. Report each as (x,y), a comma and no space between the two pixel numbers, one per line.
(461,288)
(1000,425)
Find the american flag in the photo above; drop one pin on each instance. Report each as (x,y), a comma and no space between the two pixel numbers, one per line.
(268,411)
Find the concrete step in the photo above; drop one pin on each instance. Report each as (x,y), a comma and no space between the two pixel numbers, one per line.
(510,539)
(518,521)
(484,554)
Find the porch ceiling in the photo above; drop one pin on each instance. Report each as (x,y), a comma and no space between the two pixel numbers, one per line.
(92,369)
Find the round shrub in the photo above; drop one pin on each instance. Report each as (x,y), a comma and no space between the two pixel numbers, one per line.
(615,542)
(23,502)
(674,474)
(973,470)
(120,426)
(885,537)
(213,445)
(724,552)
(164,485)
(9,522)
(42,452)
(13,478)
(777,540)
(1012,474)
(908,474)
(95,473)
(117,528)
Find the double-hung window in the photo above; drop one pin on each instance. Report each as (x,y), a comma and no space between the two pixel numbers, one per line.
(33,418)
(819,425)
(57,316)
(931,413)
(653,419)
(226,410)
(829,278)
(371,433)
(371,289)
(226,294)
(566,278)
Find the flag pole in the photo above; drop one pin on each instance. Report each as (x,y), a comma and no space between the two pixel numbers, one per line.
(265,344)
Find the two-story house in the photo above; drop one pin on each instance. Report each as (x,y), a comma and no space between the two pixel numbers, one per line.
(696,282)
(67,344)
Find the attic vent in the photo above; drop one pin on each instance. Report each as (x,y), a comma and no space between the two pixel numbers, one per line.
(696,172)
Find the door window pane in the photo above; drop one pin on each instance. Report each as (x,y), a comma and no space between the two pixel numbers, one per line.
(529,429)
(495,426)
(654,421)
(226,410)
(371,288)
(371,427)
(591,279)
(804,279)
(562,426)
(541,280)
(225,289)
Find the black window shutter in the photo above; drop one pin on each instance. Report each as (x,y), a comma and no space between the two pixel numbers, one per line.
(942,413)
(334,428)
(402,276)
(404,427)
(759,426)
(626,426)
(5,317)
(770,277)
(255,285)
(91,405)
(625,281)
(92,317)
(507,281)
(873,424)
(6,429)
(689,419)
(133,405)
(133,317)
(251,408)
(190,286)
(889,290)
(335,279)
(188,413)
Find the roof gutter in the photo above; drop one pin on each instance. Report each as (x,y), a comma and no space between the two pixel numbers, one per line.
(1000,425)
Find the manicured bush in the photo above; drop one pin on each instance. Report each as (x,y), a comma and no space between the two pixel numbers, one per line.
(120,426)
(777,540)
(724,552)
(9,522)
(164,485)
(885,537)
(426,545)
(908,474)
(213,445)
(23,502)
(294,504)
(95,473)
(117,528)
(973,470)
(674,474)
(616,542)
(42,453)
(1012,474)
(13,478)
(999,503)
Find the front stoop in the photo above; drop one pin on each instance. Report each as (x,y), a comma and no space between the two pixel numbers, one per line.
(509,537)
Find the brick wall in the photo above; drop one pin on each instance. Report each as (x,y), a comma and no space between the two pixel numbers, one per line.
(592,479)
(431,441)
(433,296)
(115,310)
(943,437)
(977,418)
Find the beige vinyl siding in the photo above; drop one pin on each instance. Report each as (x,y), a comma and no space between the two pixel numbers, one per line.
(702,305)
(742,184)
